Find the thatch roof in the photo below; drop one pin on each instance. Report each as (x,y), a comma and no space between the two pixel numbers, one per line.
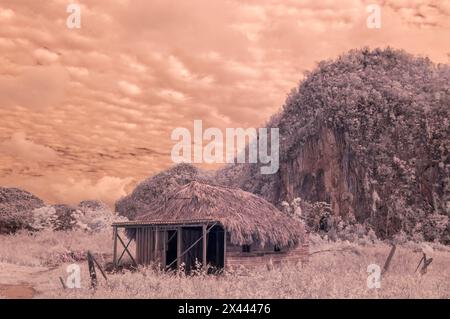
(149,190)
(247,217)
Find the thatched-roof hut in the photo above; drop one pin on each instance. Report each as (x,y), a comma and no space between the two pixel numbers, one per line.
(215,225)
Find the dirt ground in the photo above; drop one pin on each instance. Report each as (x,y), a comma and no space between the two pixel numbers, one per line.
(23,282)
(21,291)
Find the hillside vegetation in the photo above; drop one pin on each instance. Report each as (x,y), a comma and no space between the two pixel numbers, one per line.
(368,133)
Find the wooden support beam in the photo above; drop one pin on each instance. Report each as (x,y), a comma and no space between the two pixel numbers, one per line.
(123,252)
(115,247)
(224,248)
(126,249)
(171,237)
(217,247)
(179,247)
(151,245)
(137,253)
(156,244)
(164,250)
(143,243)
(148,246)
(204,246)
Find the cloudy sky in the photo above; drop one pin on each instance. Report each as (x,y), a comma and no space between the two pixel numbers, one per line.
(87,113)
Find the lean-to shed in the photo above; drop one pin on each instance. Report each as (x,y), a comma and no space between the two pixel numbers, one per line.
(218,226)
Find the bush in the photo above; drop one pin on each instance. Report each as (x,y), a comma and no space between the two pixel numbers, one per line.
(434,227)
(15,209)
(88,216)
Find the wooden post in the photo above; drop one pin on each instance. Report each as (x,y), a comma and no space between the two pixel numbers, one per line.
(98,265)
(388,260)
(426,263)
(144,243)
(62,283)
(92,272)
(138,245)
(204,246)
(115,247)
(217,247)
(224,248)
(164,251)
(179,229)
(156,244)
(151,241)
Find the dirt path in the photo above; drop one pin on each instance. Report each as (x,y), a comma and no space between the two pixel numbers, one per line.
(21,291)
(22,282)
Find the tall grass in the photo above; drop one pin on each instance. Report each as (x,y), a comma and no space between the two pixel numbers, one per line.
(48,248)
(338,272)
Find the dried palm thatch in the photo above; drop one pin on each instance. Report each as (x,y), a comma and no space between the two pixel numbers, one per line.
(149,190)
(246,217)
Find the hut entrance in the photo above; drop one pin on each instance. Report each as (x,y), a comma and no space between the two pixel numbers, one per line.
(191,243)
(216,247)
(171,254)
(191,237)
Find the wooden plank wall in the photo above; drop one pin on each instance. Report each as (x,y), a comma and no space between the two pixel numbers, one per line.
(144,245)
(150,246)
(149,250)
(138,246)
(259,256)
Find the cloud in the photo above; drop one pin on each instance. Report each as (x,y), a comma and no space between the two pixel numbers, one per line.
(138,69)
(129,88)
(45,56)
(6,14)
(107,189)
(37,87)
(21,148)
(60,187)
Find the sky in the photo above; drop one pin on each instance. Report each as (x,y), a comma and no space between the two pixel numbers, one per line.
(86,113)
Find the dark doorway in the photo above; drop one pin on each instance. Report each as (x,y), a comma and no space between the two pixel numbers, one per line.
(192,236)
(171,253)
(193,257)
(216,248)
(191,240)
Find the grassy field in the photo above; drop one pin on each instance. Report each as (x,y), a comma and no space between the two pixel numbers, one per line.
(35,263)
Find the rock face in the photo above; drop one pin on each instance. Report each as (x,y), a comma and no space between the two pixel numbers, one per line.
(16,206)
(325,170)
(368,133)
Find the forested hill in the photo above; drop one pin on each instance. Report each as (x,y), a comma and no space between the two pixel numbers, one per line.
(368,133)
